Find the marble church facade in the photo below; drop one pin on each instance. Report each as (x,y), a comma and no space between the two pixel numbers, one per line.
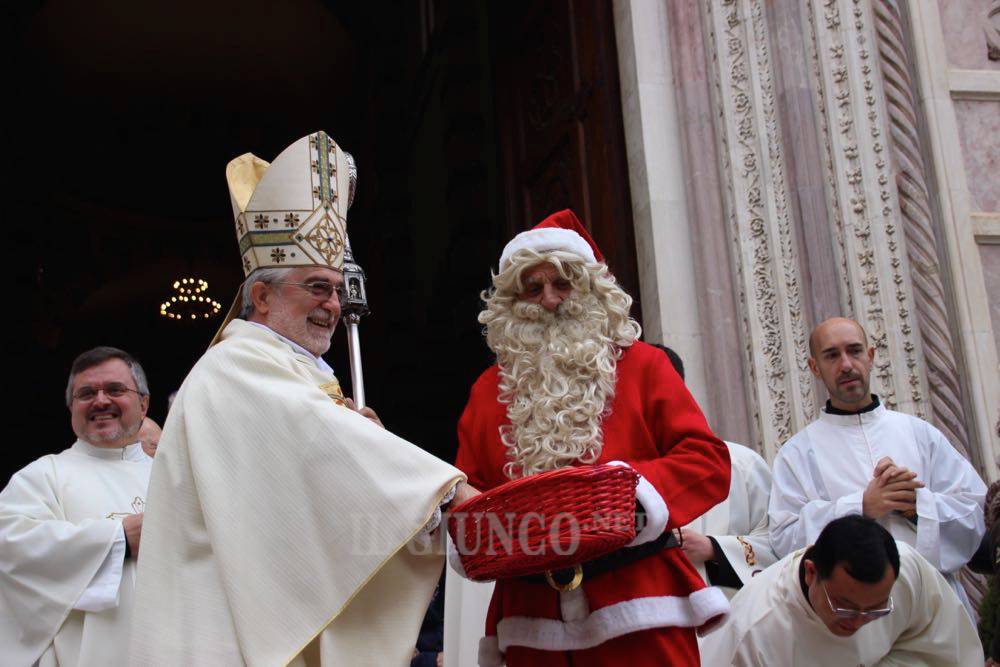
(791,160)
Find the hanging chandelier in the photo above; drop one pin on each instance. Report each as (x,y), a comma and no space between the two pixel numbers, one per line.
(191,302)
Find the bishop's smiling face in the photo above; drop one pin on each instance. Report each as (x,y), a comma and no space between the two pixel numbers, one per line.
(295,313)
(107,421)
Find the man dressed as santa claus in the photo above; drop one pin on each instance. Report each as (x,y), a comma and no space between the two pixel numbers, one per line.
(573,385)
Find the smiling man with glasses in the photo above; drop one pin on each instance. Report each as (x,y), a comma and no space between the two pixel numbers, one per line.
(284,526)
(70,525)
(302,305)
(855,597)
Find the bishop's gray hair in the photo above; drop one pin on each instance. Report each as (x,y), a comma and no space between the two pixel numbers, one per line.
(99,355)
(266,276)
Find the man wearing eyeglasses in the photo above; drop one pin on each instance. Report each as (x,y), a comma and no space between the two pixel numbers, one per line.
(855,597)
(282,522)
(70,526)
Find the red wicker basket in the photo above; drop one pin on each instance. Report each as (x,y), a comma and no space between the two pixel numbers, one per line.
(548,521)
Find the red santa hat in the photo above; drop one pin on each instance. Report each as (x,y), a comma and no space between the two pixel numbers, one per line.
(560,231)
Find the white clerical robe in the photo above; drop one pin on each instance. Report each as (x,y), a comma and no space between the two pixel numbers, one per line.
(772,624)
(67,589)
(466,604)
(279,523)
(739,523)
(821,473)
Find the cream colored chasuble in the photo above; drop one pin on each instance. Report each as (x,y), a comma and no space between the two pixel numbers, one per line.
(772,624)
(278,523)
(59,519)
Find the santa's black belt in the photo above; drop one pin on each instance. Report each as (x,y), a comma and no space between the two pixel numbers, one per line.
(570,578)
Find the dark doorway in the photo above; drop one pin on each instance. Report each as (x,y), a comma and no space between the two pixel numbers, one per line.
(559,116)
(128,114)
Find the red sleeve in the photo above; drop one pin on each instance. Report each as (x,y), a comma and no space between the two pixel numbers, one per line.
(692,471)
(477,434)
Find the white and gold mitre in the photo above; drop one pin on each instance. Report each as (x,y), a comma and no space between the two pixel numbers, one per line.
(293,211)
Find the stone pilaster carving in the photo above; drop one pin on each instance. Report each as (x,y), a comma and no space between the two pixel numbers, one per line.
(945,394)
(947,410)
(993,31)
(780,386)
(860,188)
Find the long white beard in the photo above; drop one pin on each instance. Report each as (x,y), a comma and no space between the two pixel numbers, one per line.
(557,375)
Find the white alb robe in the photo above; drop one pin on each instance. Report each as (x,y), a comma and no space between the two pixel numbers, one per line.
(821,473)
(278,522)
(67,590)
(466,604)
(740,523)
(772,624)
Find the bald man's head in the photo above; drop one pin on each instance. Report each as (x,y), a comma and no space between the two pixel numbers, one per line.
(149,434)
(823,327)
(839,355)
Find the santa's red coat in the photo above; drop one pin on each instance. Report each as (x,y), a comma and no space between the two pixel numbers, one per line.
(656,427)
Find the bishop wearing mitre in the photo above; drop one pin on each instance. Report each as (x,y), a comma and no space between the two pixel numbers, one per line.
(281,523)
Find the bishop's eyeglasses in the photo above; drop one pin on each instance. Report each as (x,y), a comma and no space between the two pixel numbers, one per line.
(320,289)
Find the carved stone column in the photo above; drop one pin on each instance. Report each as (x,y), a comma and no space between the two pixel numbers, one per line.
(992,29)
(947,411)
(919,220)
(766,274)
(862,196)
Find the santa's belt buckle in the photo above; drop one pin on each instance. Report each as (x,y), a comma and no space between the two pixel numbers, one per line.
(573,583)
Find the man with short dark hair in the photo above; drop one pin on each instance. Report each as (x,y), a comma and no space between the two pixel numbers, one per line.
(861,458)
(70,525)
(855,597)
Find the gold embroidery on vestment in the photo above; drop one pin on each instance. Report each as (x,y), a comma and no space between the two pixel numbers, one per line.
(332,389)
(138,505)
(748,553)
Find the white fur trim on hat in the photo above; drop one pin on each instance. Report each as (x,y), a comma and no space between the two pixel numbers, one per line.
(547,239)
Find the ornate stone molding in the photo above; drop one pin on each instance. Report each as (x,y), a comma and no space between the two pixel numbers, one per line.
(860,188)
(945,389)
(756,206)
(993,31)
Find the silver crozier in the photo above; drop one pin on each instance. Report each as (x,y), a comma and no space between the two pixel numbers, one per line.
(354,306)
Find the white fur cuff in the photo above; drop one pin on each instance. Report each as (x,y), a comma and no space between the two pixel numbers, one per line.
(657,514)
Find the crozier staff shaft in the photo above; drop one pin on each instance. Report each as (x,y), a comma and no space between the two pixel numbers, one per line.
(354,352)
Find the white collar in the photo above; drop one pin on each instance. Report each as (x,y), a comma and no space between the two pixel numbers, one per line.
(855,419)
(320,362)
(131,452)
